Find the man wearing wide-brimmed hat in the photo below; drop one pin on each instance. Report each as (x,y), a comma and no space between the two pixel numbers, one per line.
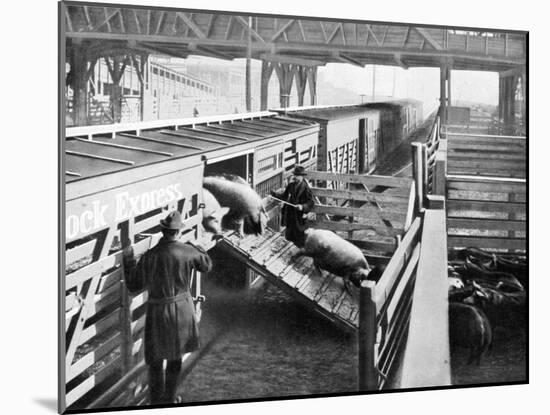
(296,193)
(171,328)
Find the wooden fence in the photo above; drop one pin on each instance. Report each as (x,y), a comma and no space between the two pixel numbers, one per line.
(486,155)
(372,212)
(424,160)
(483,180)
(487,213)
(426,359)
(103,323)
(343,159)
(384,313)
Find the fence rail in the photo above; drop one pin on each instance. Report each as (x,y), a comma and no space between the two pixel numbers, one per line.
(487,213)
(485,155)
(426,358)
(372,211)
(482,177)
(384,313)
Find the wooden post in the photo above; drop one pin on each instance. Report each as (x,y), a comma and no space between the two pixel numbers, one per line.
(416,149)
(267,70)
(363,146)
(439,180)
(368,376)
(443,92)
(425,171)
(126,328)
(512,215)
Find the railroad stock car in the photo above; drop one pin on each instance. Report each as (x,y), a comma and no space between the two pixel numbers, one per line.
(353,138)
(120,181)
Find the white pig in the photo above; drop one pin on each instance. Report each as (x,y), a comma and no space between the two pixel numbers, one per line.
(212,213)
(333,253)
(244,204)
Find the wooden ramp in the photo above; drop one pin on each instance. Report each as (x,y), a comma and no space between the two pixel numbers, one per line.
(377,211)
(271,256)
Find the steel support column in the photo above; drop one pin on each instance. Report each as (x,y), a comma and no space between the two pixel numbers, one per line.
(117,66)
(78,80)
(301,80)
(312,81)
(140,68)
(285,73)
(267,70)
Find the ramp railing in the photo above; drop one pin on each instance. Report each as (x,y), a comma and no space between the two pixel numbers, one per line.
(370,211)
(385,311)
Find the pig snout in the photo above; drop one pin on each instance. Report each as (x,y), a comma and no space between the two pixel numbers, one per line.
(358,276)
(212,224)
(212,213)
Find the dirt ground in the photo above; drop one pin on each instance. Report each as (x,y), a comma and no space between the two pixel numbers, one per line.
(506,362)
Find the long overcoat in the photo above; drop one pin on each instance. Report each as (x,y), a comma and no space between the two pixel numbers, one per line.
(296,193)
(171,328)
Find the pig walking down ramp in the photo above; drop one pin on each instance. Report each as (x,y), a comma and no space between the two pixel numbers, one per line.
(273,257)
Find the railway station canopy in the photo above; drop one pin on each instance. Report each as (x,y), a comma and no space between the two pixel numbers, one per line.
(295,40)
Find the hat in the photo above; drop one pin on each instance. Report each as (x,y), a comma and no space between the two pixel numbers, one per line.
(172,221)
(299,171)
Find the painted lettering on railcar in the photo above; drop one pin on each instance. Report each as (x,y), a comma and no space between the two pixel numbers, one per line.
(93,213)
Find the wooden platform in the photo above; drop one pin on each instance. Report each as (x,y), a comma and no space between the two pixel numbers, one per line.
(271,256)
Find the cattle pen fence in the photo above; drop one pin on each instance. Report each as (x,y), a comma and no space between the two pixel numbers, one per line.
(483,179)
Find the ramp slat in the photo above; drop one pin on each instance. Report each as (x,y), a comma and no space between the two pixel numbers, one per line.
(273,257)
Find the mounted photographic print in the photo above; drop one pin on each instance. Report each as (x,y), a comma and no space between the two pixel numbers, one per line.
(266,206)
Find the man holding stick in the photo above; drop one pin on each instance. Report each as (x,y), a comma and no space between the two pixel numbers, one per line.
(297,201)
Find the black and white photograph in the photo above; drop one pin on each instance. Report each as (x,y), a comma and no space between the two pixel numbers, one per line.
(267,206)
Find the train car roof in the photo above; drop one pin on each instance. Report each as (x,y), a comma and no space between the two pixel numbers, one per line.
(392,103)
(97,150)
(329,113)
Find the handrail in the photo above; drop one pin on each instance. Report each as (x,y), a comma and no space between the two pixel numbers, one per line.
(424,161)
(384,312)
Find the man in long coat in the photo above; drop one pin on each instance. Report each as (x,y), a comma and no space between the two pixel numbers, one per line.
(298,193)
(171,328)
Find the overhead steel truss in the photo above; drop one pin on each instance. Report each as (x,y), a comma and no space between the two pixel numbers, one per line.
(302,41)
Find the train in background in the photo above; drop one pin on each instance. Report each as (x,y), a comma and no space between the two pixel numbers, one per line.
(122,179)
(353,138)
